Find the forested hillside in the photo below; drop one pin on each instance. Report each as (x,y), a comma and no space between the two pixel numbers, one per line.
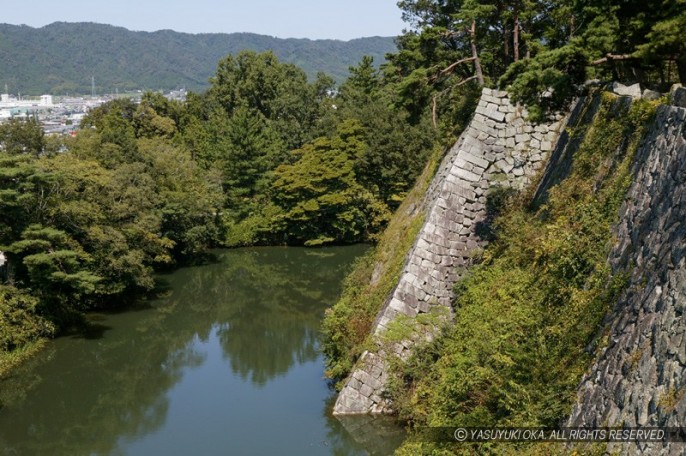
(62,57)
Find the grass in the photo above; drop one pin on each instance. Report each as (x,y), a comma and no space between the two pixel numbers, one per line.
(347,325)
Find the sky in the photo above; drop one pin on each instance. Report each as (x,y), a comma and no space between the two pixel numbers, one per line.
(315,19)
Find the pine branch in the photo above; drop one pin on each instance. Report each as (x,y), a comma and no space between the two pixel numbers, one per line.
(612,57)
(449,69)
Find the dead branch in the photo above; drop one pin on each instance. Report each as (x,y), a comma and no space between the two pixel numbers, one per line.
(612,57)
(449,69)
(466,80)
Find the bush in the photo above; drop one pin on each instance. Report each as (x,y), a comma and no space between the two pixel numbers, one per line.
(20,323)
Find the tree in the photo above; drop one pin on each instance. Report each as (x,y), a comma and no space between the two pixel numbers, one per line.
(665,41)
(189,198)
(454,24)
(547,82)
(319,196)
(56,267)
(362,84)
(21,321)
(250,148)
(278,91)
(22,136)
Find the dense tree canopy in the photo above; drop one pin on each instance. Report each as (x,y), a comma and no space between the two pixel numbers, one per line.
(264,156)
(530,46)
(268,156)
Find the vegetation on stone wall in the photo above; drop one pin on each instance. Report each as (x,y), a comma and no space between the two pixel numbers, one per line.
(528,313)
(347,326)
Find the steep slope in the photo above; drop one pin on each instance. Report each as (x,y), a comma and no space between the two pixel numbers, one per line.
(500,149)
(639,378)
(574,316)
(62,57)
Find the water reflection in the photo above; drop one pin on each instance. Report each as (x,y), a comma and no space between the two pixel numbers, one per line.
(374,435)
(378,435)
(195,369)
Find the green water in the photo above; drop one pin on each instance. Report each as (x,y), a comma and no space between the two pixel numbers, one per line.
(225,361)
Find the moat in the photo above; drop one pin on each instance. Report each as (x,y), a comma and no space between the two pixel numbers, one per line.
(225,360)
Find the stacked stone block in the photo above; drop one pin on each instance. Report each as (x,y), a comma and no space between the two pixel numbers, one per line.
(498,148)
(639,378)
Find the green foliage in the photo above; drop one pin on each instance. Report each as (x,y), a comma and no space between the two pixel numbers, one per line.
(299,163)
(539,50)
(320,199)
(55,264)
(547,82)
(189,198)
(277,91)
(143,186)
(528,312)
(19,136)
(665,39)
(251,148)
(85,225)
(20,319)
(395,156)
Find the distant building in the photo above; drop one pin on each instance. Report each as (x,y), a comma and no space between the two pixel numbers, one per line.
(178,95)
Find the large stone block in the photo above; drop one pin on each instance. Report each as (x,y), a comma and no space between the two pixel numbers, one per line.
(633,91)
(496,115)
(522,138)
(466,175)
(678,96)
(479,161)
(490,99)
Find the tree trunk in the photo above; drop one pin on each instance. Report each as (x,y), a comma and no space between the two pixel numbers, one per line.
(681,69)
(10,272)
(433,111)
(475,54)
(506,44)
(515,35)
(572,26)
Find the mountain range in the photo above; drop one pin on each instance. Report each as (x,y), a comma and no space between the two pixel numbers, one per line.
(62,58)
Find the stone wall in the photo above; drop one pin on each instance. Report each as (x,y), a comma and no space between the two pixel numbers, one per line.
(499,148)
(639,378)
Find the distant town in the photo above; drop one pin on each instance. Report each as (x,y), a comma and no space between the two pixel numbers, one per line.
(62,115)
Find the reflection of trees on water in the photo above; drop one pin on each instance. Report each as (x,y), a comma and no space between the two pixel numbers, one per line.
(265,304)
(96,392)
(277,322)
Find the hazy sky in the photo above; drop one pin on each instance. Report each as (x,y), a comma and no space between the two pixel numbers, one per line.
(338,19)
